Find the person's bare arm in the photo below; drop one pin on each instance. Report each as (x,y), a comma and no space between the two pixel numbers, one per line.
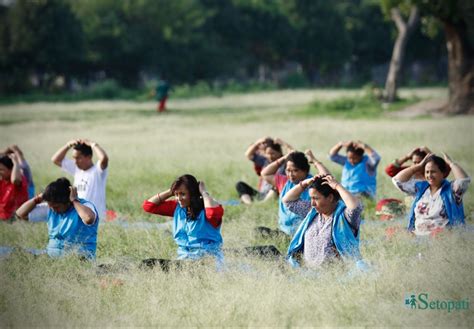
(351,201)
(336,148)
(28,206)
(401,160)
(16,170)
(160,197)
(99,151)
(457,170)
(366,147)
(287,146)
(86,214)
(295,192)
(268,173)
(58,157)
(407,173)
(252,149)
(209,202)
(321,169)
(15,149)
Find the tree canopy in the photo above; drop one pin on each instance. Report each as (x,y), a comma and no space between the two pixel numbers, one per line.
(186,40)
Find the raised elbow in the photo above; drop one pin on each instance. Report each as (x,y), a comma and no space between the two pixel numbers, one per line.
(89,219)
(21,215)
(56,161)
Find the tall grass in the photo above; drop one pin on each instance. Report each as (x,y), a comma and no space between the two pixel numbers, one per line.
(208,138)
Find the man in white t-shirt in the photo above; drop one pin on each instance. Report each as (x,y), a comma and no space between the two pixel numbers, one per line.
(90,179)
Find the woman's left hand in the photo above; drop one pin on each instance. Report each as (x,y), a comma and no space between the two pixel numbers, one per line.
(331,181)
(447,158)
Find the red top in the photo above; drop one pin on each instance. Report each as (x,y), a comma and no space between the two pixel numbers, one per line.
(280,181)
(166,208)
(392,169)
(12,197)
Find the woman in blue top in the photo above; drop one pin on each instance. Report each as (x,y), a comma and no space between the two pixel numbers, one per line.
(72,222)
(297,169)
(359,170)
(438,202)
(197,219)
(330,229)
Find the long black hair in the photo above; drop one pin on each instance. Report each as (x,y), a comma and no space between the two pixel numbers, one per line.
(196,202)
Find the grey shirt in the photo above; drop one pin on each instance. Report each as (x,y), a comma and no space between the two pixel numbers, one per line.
(318,247)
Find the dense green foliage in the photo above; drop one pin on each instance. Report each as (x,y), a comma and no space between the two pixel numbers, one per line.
(63,43)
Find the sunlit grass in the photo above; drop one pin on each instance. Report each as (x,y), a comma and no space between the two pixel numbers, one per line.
(208,138)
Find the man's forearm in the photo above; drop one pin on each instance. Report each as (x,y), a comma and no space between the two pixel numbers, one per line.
(58,157)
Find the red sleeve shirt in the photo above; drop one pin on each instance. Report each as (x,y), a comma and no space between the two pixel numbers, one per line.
(214,215)
(280,181)
(12,197)
(166,208)
(392,169)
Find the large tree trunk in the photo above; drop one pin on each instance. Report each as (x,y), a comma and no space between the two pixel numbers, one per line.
(460,70)
(404,32)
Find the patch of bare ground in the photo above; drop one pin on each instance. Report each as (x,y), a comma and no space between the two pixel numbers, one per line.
(430,107)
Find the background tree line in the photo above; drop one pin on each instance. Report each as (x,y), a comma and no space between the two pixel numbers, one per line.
(184,41)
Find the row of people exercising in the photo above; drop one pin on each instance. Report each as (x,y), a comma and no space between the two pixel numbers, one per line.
(359,171)
(16,183)
(321,215)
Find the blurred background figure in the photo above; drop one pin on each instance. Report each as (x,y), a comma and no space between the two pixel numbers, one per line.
(264,151)
(161,95)
(24,166)
(90,179)
(13,186)
(359,169)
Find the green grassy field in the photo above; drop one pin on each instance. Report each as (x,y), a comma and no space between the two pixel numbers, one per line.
(207,137)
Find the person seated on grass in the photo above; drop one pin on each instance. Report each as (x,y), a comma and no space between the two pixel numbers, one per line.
(261,153)
(359,170)
(13,186)
(297,169)
(438,202)
(330,229)
(24,166)
(197,219)
(90,179)
(72,222)
(416,156)
(390,208)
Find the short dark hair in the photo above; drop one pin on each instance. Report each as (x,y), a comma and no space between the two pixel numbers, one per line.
(354,149)
(269,140)
(85,149)
(6,161)
(299,159)
(440,163)
(324,189)
(420,153)
(275,147)
(58,191)
(191,183)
